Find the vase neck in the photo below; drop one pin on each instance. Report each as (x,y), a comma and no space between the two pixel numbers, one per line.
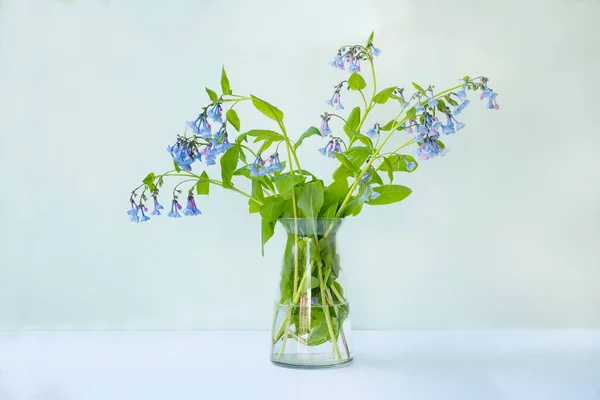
(311,227)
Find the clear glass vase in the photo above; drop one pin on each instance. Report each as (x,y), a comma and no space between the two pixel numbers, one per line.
(311,328)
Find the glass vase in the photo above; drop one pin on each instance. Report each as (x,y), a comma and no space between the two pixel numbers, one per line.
(311,328)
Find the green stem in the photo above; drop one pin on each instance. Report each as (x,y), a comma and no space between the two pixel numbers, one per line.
(326,312)
(215,182)
(364,99)
(371,102)
(249,149)
(241,98)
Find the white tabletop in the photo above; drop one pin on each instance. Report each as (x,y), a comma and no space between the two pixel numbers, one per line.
(440,365)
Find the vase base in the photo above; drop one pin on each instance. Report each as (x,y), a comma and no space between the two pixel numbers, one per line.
(295,363)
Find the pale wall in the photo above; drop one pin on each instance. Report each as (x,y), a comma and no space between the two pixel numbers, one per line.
(502,233)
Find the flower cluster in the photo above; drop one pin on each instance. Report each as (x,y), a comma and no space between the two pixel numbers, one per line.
(349,56)
(331,148)
(425,115)
(262,167)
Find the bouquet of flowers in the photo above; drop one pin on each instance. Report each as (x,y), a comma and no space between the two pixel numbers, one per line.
(280,188)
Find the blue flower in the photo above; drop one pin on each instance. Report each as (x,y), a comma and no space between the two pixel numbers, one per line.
(157,206)
(182,155)
(461,106)
(419,107)
(215,113)
(449,127)
(374,131)
(462,93)
(354,64)
(338,61)
(209,154)
(143,217)
(331,147)
(193,125)
(422,131)
(485,92)
(133,212)
(431,101)
(492,104)
(434,131)
(323,150)
(314,300)
(324,129)
(191,208)
(458,125)
(337,148)
(335,100)
(255,167)
(225,145)
(374,50)
(430,148)
(410,165)
(174,207)
(274,164)
(200,126)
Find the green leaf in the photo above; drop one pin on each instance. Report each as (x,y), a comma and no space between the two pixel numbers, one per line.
(341,173)
(398,162)
(319,333)
(451,100)
(356,82)
(312,131)
(353,207)
(242,137)
(375,178)
(388,127)
(225,82)
(371,37)
(272,208)
(229,162)
(212,95)
(347,163)
(149,181)
(242,171)
(411,114)
(176,166)
(334,194)
(257,193)
(390,168)
(203,185)
(285,182)
(263,134)
(311,199)
(269,110)
(419,88)
(441,106)
(338,189)
(389,194)
(352,121)
(466,78)
(354,136)
(358,154)
(267,231)
(233,119)
(383,96)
